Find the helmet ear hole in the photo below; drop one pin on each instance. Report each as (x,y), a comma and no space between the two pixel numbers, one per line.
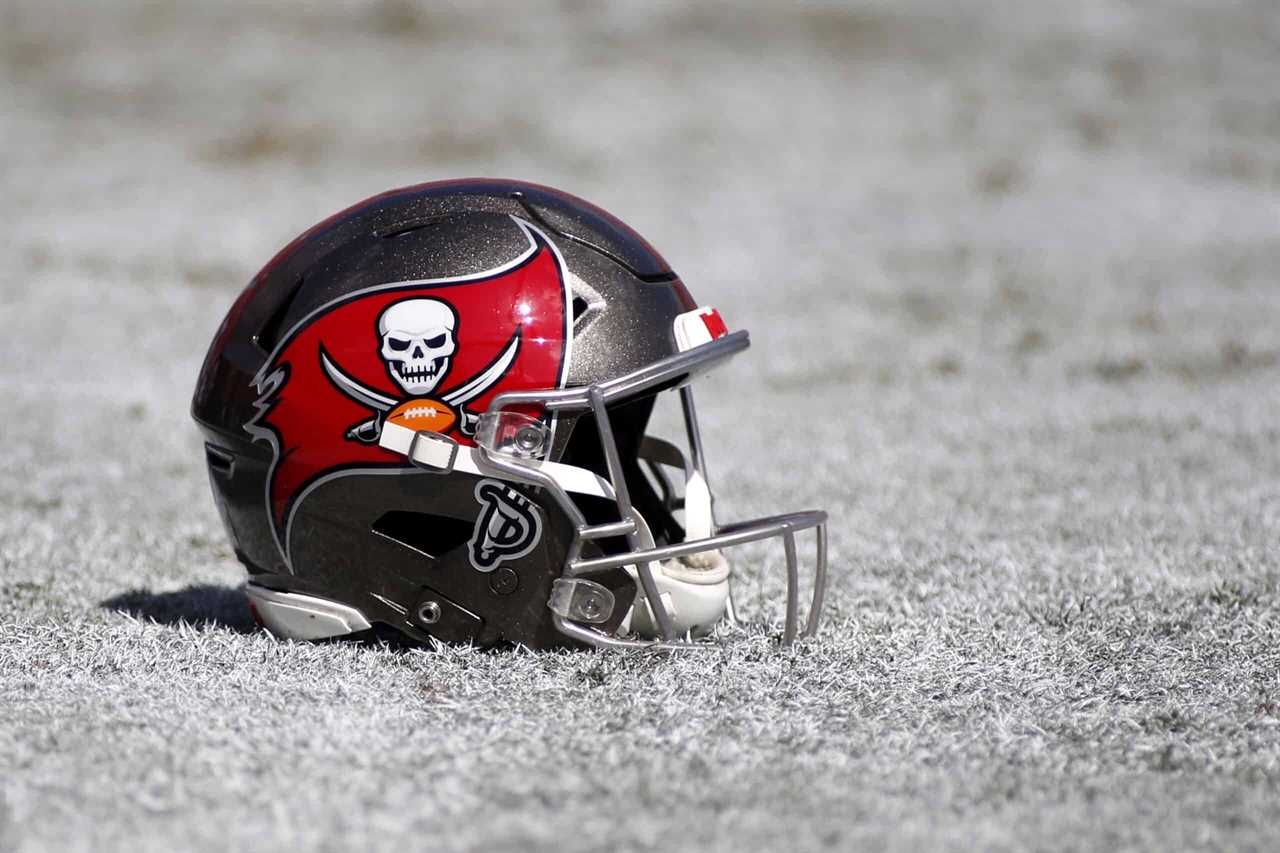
(428,534)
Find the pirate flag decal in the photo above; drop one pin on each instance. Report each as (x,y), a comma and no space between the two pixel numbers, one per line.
(429,354)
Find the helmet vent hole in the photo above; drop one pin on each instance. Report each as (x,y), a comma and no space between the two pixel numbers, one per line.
(402,228)
(432,536)
(586,304)
(585,308)
(219,461)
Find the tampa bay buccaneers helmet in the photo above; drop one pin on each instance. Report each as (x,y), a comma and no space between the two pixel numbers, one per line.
(429,413)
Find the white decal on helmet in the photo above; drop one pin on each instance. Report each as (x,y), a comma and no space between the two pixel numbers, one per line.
(418,342)
(508,527)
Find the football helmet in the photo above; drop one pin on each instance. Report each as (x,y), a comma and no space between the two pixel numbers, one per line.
(428,412)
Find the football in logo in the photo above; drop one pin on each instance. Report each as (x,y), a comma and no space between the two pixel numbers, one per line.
(422,414)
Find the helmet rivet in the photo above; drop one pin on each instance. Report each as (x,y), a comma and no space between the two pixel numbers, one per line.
(591,606)
(504,581)
(528,439)
(429,612)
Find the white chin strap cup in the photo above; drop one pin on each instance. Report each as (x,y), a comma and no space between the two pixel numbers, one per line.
(694,588)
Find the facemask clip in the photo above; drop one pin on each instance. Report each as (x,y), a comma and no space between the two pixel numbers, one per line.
(581,600)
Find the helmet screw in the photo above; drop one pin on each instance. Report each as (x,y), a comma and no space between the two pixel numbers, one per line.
(528,440)
(429,612)
(591,606)
(504,581)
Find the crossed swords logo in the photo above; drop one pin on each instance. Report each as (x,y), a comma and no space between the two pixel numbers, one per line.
(367,432)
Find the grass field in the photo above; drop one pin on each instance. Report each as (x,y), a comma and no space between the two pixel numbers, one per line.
(1011,276)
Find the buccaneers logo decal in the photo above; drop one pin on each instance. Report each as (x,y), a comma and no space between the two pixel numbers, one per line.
(430,354)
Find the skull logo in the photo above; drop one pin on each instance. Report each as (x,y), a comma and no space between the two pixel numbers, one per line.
(418,342)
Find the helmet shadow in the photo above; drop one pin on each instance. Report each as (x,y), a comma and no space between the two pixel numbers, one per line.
(201,605)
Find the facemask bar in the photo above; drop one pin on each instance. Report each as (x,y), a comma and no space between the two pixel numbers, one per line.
(644,554)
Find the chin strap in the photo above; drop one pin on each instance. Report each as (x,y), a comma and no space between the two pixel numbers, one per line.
(698,519)
(697,506)
(694,588)
(698,523)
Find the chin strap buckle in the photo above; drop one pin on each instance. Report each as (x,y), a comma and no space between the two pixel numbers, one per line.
(427,450)
(581,600)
